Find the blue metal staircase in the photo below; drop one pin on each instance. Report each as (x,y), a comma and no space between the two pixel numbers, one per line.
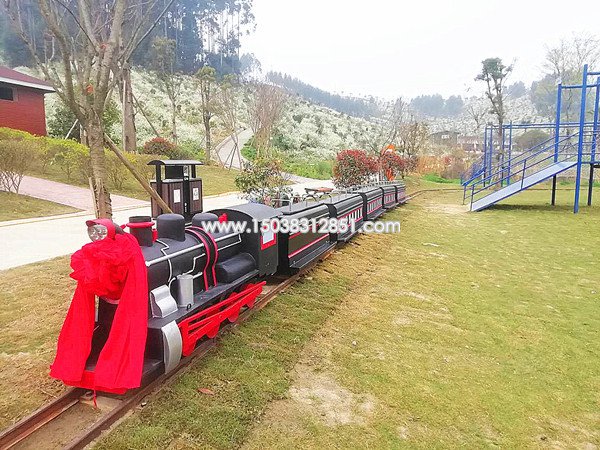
(540,163)
(500,173)
(525,183)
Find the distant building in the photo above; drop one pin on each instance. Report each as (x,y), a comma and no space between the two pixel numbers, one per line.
(453,139)
(447,138)
(470,143)
(22,101)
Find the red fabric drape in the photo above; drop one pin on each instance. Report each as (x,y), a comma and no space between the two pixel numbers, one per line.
(115,269)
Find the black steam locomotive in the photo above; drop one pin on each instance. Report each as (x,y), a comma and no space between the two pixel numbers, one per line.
(199,278)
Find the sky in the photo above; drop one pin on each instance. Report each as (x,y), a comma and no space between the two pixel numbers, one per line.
(399,48)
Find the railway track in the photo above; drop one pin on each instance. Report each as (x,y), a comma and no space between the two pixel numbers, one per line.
(75,419)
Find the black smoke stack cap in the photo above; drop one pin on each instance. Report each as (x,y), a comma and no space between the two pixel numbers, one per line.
(143,234)
(171,226)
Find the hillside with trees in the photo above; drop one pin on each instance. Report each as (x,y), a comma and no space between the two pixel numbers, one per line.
(203,33)
(172,71)
(353,106)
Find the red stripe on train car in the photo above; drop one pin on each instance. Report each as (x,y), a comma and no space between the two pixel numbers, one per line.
(291,255)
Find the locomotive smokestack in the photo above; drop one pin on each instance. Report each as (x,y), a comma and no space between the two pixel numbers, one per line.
(141,229)
(171,226)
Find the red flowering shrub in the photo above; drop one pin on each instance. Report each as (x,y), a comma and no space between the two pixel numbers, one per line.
(392,164)
(159,146)
(353,167)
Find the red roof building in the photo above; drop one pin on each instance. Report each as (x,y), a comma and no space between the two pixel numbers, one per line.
(22,101)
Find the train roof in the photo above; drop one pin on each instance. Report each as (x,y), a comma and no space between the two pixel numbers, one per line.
(257,211)
(299,207)
(175,162)
(341,197)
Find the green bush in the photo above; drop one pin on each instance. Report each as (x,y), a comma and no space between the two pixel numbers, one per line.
(116,171)
(74,160)
(188,150)
(262,181)
(140,164)
(16,158)
(9,133)
(249,151)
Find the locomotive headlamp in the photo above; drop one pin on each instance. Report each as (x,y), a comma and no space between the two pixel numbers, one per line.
(97,232)
(99,229)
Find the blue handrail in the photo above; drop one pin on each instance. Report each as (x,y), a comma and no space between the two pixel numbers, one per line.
(477,167)
(493,179)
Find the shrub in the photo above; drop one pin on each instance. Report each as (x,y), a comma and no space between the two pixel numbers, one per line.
(448,167)
(353,167)
(160,146)
(140,163)
(73,159)
(16,135)
(16,158)
(263,182)
(188,149)
(392,164)
(249,151)
(116,171)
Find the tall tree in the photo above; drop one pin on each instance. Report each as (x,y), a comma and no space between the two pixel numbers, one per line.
(129,130)
(566,60)
(494,73)
(207,79)
(412,137)
(163,63)
(564,63)
(478,113)
(205,32)
(227,110)
(88,43)
(387,130)
(266,108)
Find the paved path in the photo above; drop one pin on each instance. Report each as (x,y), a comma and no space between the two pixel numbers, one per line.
(225,148)
(32,240)
(74,196)
(27,241)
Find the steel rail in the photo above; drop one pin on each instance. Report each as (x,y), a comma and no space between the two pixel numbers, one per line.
(23,429)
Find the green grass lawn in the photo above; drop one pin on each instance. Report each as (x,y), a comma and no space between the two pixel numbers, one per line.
(215,180)
(33,302)
(465,330)
(16,206)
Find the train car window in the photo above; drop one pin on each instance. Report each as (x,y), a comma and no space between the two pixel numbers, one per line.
(7,93)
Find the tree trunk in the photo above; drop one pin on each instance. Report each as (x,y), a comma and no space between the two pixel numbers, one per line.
(207,156)
(95,136)
(174,120)
(129,130)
